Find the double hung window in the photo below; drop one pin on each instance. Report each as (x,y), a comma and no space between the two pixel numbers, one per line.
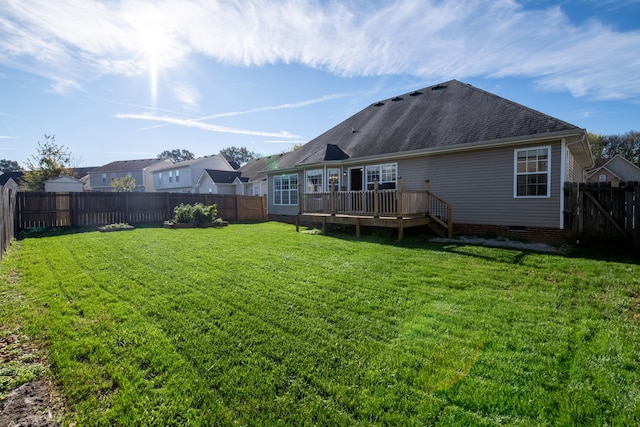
(285,190)
(333,178)
(386,175)
(533,172)
(314,181)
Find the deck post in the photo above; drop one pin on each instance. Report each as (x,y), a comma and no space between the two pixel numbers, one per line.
(357,228)
(400,199)
(376,202)
(400,229)
(332,201)
(298,223)
(299,198)
(427,188)
(449,221)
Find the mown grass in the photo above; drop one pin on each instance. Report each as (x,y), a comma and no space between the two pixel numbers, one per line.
(259,325)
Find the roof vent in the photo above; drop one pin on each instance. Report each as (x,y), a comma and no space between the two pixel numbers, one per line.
(438,87)
(415,93)
(397,98)
(378,104)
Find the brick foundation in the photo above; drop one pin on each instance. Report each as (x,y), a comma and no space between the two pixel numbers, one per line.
(530,234)
(527,234)
(287,219)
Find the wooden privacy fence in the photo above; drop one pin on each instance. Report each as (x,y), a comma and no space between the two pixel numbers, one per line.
(601,212)
(7,217)
(37,209)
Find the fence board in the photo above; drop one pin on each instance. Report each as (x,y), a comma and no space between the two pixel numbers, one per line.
(7,217)
(601,212)
(38,209)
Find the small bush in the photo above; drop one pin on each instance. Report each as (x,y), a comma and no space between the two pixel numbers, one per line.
(198,213)
(116,227)
(183,214)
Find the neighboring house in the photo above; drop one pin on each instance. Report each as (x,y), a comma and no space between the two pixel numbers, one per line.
(220,182)
(100,178)
(83,175)
(500,165)
(614,170)
(182,177)
(64,184)
(15,177)
(255,172)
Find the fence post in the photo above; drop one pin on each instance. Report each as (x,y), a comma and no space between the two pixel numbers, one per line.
(636,216)
(126,206)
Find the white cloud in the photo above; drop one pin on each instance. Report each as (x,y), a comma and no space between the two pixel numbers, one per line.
(277,107)
(205,126)
(187,95)
(426,38)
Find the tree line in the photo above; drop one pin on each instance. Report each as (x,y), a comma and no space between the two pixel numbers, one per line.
(626,145)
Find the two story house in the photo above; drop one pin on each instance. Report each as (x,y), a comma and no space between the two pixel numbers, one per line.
(100,178)
(182,177)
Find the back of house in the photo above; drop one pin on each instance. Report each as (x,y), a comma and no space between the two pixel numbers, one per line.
(500,165)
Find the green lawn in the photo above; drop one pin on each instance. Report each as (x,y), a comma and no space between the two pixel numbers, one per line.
(260,325)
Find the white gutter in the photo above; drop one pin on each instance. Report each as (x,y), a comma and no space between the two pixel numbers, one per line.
(563,176)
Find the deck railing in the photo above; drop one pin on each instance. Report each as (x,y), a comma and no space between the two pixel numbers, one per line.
(377,203)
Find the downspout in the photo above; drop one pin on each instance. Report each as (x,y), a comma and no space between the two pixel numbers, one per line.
(563,176)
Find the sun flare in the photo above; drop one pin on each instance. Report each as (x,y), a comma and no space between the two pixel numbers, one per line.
(153,40)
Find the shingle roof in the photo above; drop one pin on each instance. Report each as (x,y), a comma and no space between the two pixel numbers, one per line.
(256,169)
(447,114)
(214,161)
(127,165)
(222,177)
(6,176)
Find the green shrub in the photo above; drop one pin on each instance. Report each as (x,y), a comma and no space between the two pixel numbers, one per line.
(183,214)
(197,213)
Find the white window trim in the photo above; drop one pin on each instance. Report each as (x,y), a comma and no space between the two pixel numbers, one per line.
(307,182)
(516,174)
(290,190)
(328,185)
(379,167)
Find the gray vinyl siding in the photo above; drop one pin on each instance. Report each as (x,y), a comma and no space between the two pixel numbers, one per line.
(184,185)
(574,173)
(95,180)
(280,209)
(479,185)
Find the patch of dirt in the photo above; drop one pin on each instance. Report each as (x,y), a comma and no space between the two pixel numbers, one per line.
(34,404)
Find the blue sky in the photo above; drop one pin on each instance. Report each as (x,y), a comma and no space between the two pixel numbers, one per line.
(118,80)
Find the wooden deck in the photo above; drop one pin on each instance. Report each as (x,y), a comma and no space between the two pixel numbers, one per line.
(376,208)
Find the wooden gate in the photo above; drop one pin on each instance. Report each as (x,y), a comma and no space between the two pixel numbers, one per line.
(602,213)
